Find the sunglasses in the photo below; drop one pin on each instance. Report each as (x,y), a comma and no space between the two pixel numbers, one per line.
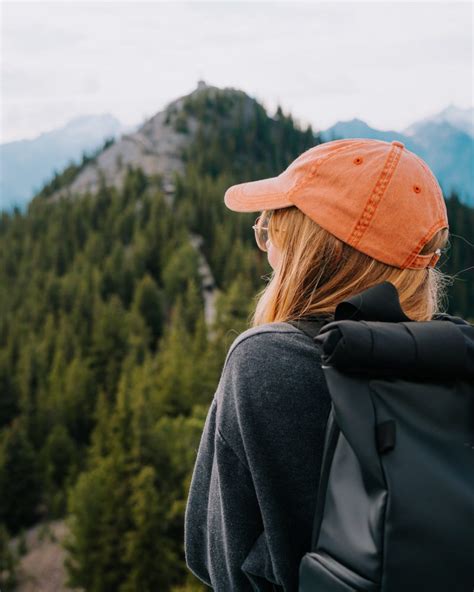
(261,233)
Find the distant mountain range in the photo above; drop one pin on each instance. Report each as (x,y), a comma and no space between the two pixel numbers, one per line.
(25,165)
(445,141)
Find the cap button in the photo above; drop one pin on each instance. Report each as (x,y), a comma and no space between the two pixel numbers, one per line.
(399,144)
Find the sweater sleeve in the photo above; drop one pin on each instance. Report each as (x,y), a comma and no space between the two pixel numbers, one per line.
(222,519)
(253,492)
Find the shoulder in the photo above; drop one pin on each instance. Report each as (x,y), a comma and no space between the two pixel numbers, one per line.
(272,377)
(257,343)
(270,358)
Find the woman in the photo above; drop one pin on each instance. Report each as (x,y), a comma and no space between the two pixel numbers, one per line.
(344,216)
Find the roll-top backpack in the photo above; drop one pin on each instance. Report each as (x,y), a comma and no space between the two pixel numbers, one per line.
(395,504)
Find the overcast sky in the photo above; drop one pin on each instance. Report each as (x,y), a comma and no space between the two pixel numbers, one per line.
(388,63)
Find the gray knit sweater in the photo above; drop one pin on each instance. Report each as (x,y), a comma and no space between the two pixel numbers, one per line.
(249,513)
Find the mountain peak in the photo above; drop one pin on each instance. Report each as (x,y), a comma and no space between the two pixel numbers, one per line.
(460,118)
(157,145)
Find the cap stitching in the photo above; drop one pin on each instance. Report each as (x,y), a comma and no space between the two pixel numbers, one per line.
(421,264)
(414,257)
(415,253)
(377,193)
(415,264)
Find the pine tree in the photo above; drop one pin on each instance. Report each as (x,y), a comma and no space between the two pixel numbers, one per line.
(173,367)
(153,563)
(99,506)
(109,343)
(149,302)
(59,460)
(93,544)
(192,305)
(8,389)
(20,482)
(8,562)
(181,267)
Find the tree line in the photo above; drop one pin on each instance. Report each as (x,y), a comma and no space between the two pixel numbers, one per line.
(107,366)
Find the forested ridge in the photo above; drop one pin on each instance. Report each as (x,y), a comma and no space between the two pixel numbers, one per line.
(107,365)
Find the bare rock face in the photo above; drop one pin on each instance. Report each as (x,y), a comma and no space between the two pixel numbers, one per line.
(42,568)
(156,147)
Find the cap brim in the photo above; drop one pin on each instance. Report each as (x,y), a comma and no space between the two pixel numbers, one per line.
(254,196)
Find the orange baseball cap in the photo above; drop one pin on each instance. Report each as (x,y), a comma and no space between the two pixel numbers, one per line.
(376,196)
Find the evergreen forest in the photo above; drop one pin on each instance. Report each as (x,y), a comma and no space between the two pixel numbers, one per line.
(107,363)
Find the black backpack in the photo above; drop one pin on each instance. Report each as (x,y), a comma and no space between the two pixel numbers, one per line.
(395,504)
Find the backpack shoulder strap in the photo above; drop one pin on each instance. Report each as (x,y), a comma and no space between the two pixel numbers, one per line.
(378,303)
(310,326)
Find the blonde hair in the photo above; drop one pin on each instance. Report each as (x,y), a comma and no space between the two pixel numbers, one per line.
(317,271)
